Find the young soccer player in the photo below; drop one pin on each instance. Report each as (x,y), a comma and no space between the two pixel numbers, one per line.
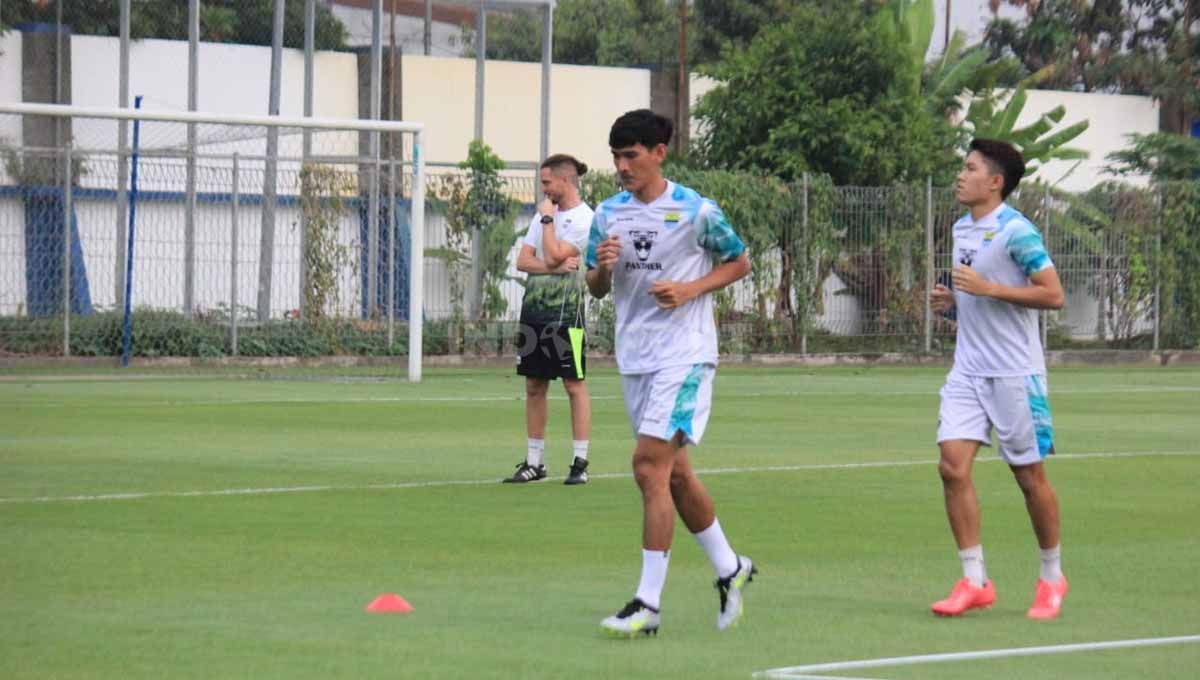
(552,306)
(1002,275)
(653,247)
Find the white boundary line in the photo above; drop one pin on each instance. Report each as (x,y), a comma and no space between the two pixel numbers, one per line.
(265,491)
(806,672)
(520,398)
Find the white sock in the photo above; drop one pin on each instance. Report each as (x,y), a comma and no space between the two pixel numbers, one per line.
(1052,564)
(654,576)
(972,564)
(581,446)
(722,557)
(537,452)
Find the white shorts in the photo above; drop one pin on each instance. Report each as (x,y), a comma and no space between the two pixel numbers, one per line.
(670,400)
(1016,407)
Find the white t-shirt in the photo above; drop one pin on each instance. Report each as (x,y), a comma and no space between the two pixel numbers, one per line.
(674,238)
(570,226)
(557,298)
(996,338)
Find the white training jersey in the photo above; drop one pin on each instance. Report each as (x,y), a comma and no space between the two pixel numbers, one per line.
(570,226)
(673,238)
(996,338)
(557,298)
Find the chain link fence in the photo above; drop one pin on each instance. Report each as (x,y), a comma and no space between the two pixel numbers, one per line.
(284,242)
(264,241)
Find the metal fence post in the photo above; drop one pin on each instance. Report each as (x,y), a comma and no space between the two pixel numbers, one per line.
(373,195)
(189,215)
(1158,207)
(122,157)
(266,242)
(416,271)
(309,42)
(233,261)
(929,263)
(808,285)
(66,257)
(391,254)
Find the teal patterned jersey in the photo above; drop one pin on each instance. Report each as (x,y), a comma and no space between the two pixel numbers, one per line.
(997,338)
(676,237)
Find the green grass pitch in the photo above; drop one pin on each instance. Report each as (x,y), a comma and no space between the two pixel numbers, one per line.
(187,525)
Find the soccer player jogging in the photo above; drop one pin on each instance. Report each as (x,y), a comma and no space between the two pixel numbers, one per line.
(653,247)
(552,313)
(1002,275)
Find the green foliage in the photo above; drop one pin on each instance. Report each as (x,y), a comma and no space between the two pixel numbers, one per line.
(912,20)
(1039,141)
(477,206)
(824,93)
(588,32)
(1076,44)
(160,333)
(322,192)
(1179,220)
(732,24)
(1161,155)
(962,69)
(247,22)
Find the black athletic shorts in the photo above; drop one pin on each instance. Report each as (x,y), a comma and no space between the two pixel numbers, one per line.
(544,351)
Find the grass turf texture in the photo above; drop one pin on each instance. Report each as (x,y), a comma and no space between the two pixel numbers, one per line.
(512,581)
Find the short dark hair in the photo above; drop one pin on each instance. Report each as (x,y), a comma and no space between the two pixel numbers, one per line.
(1004,159)
(641,126)
(559,160)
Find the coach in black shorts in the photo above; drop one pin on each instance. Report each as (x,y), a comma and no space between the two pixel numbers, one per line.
(552,311)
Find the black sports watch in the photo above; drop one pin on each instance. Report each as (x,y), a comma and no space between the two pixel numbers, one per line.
(547,219)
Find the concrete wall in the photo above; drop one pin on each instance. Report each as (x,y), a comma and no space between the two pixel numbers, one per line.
(585,100)
(10,82)
(1111,118)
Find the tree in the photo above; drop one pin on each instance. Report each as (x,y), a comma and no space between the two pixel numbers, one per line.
(1140,47)
(1039,142)
(247,22)
(1078,44)
(588,32)
(1162,155)
(826,91)
(732,24)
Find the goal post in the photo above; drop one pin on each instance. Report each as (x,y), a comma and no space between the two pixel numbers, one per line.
(322,240)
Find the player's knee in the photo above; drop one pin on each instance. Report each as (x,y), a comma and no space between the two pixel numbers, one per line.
(953,471)
(536,388)
(647,472)
(575,388)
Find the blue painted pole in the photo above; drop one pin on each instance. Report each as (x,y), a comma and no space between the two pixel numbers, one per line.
(128,335)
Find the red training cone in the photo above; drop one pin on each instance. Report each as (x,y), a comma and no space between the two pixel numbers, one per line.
(389,603)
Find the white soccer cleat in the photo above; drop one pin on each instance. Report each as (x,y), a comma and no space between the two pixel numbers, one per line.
(730,590)
(635,618)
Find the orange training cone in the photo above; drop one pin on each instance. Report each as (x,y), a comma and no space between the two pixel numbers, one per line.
(389,603)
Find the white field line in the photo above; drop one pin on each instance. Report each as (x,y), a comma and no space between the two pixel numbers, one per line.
(264,491)
(931,392)
(806,672)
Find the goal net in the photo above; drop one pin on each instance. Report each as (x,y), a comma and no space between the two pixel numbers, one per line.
(197,234)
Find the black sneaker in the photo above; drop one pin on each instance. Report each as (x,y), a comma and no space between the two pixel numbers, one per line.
(578,473)
(526,473)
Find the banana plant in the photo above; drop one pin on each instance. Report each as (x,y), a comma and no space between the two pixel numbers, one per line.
(1040,141)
